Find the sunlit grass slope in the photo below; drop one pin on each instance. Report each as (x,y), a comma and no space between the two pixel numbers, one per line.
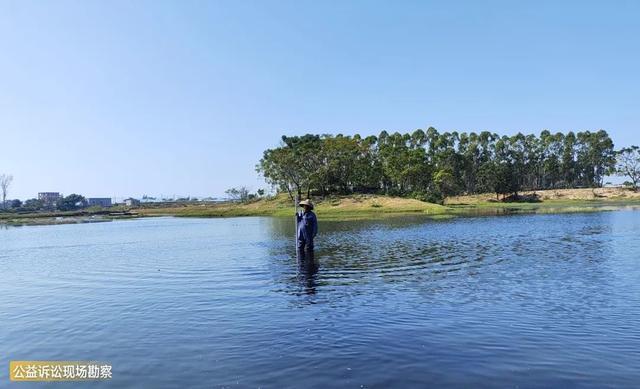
(330,208)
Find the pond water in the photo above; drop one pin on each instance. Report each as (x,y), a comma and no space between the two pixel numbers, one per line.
(526,301)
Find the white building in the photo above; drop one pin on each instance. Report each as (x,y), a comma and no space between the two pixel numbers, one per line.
(131,202)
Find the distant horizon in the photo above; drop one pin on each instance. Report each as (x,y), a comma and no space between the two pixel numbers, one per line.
(183,97)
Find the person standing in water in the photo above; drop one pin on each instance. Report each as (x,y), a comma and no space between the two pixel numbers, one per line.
(307,226)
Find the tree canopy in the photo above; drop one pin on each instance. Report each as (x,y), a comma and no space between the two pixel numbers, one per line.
(71,202)
(433,164)
(628,165)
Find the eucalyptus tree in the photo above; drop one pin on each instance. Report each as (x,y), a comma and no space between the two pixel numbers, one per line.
(340,156)
(394,155)
(628,165)
(551,160)
(534,155)
(595,157)
(369,174)
(568,165)
(446,160)
(508,165)
(487,178)
(469,150)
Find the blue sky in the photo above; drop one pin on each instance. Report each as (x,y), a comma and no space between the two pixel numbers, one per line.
(120,98)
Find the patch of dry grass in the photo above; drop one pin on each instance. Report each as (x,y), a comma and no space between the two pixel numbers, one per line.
(554,194)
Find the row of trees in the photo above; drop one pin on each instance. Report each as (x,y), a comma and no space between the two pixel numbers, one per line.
(71,202)
(243,194)
(433,165)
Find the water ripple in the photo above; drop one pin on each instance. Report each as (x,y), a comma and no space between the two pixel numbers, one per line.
(526,300)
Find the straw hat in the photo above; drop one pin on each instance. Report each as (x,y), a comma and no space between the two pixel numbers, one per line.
(306,202)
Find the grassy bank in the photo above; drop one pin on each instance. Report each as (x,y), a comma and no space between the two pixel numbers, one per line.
(376,206)
(551,201)
(91,215)
(347,207)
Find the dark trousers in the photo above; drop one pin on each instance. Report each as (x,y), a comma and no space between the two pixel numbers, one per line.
(305,245)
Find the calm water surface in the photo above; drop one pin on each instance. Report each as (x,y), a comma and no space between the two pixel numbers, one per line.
(518,301)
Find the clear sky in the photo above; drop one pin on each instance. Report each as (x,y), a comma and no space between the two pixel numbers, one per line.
(123,98)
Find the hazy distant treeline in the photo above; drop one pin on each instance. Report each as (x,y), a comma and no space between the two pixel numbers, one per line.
(432,165)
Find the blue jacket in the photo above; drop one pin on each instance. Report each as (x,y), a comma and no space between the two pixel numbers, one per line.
(307,226)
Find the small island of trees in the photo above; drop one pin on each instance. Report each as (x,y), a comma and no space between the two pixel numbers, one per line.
(430,165)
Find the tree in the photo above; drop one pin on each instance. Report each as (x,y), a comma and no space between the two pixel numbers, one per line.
(628,164)
(569,164)
(15,203)
(340,160)
(292,166)
(498,178)
(32,205)
(487,178)
(507,179)
(71,202)
(394,156)
(595,157)
(446,183)
(238,194)
(5,183)
(552,159)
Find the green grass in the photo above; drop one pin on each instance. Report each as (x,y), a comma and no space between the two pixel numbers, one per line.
(376,207)
(348,207)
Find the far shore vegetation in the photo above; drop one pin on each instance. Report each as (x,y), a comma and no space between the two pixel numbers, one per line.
(351,207)
(424,172)
(357,206)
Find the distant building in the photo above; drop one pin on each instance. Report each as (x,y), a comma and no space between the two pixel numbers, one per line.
(99,202)
(49,198)
(131,202)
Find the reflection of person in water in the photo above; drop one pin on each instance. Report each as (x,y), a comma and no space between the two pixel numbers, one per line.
(307,226)
(307,262)
(307,270)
